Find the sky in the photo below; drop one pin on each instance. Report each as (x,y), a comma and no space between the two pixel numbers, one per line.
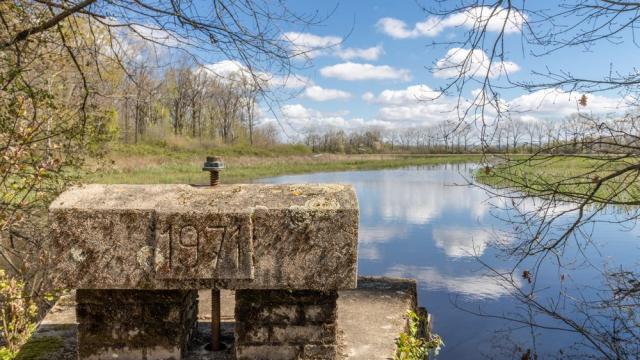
(373,63)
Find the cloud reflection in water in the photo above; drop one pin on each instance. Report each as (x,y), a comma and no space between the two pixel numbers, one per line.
(421,197)
(471,287)
(461,242)
(370,237)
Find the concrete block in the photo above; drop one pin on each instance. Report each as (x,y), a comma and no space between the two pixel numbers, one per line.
(268,352)
(319,313)
(185,237)
(287,314)
(131,324)
(303,334)
(282,313)
(255,335)
(317,352)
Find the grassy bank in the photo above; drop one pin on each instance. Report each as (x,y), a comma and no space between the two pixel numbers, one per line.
(138,164)
(576,176)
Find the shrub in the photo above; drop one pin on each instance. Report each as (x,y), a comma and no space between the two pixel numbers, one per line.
(17,316)
(417,343)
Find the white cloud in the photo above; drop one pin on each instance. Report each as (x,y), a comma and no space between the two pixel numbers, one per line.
(226,69)
(368,96)
(493,19)
(370,54)
(309,45)
(292,81)
(318,93)
(554,103)
(470,63)
(231,70)
(157,36)
(299,117)
(411,94)
(414,105)
(419,105)
(478,17)
(297,111)
(356,71)
(398,29)
(428,113)
(142,43)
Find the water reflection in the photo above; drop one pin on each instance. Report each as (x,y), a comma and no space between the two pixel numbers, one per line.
(420,197)
(471,287)
(461,242)
(416,222)
(370,236)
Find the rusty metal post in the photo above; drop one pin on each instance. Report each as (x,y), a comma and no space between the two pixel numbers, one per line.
(214,165)
(215,320)
(214,177)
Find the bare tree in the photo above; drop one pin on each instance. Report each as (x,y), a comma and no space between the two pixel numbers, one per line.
(249,93)
(60,62)
(610,145)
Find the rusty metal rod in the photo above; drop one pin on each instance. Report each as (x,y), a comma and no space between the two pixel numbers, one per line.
(213,165)
(214,177)
(215,320)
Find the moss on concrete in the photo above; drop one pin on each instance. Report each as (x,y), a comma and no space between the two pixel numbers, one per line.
(40,348)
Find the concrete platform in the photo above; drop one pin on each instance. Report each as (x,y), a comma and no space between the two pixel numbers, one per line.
(369,320)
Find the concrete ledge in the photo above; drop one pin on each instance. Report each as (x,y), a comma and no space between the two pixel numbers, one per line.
(165,237)
(372,316)
(369,319)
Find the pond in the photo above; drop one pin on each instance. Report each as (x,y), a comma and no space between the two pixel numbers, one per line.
(419,222)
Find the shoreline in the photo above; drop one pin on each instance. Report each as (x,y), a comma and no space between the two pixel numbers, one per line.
(152,169)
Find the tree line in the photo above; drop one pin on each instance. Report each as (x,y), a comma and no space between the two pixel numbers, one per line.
(70,84)
(565,135)
(189,100)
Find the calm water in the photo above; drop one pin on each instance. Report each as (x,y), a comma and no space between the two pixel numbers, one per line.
(415,222)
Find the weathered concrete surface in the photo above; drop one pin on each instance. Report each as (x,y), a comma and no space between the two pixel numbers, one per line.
(372,316)
(135,324)
(283,324)
(185,237)
(369,320)
(56,336)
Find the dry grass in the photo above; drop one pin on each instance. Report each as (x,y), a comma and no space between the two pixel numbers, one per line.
(575,176)
(153,165)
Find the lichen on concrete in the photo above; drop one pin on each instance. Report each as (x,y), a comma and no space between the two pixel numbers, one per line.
(181,237)
(369,320)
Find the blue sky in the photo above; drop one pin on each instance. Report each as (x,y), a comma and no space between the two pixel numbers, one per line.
(383,86)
